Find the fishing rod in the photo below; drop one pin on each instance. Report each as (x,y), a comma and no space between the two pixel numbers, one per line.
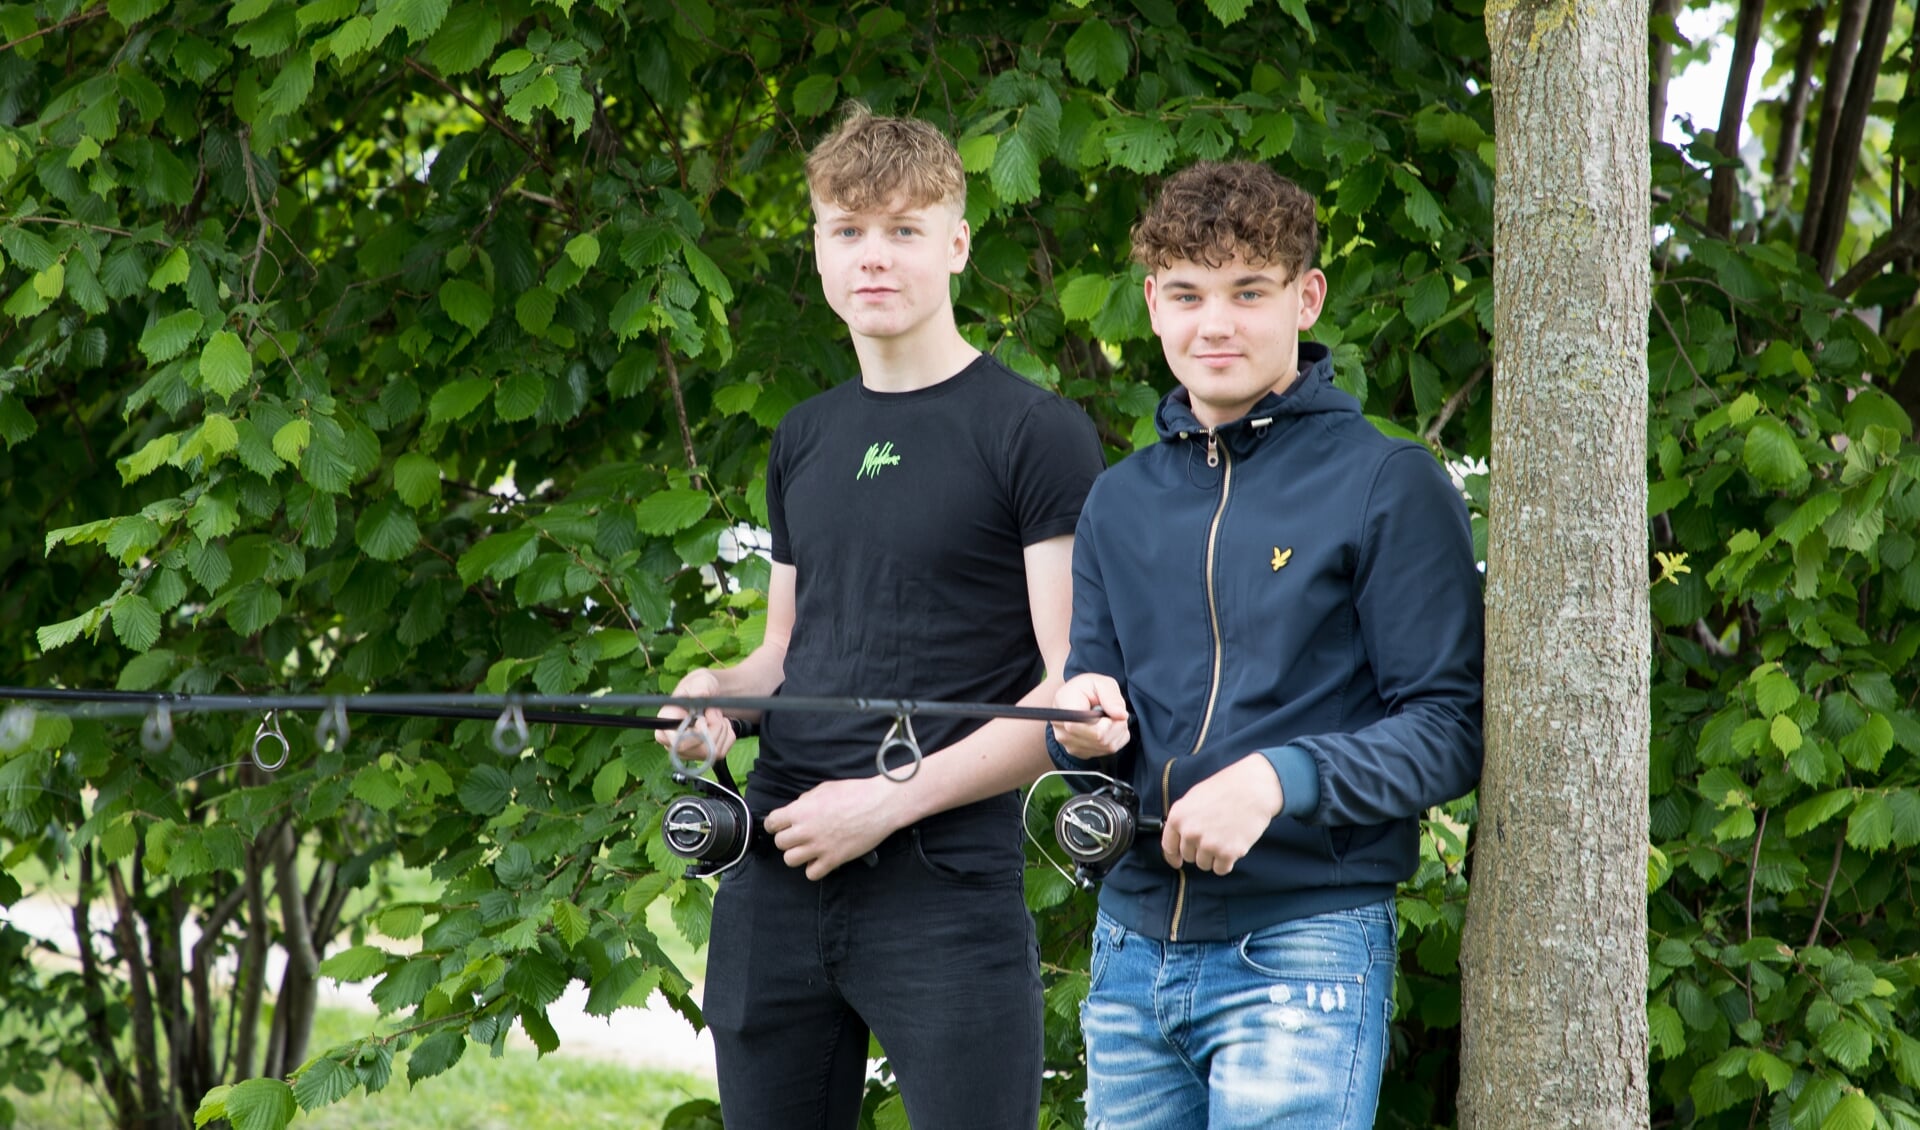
(512,713)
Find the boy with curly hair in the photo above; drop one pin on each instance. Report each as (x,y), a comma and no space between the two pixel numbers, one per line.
(922,520)
(1290,665)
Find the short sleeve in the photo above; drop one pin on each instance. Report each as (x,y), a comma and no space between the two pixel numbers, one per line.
(1053,459)
(776,498)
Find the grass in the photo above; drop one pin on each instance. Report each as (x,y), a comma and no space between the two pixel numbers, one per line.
(479,1093)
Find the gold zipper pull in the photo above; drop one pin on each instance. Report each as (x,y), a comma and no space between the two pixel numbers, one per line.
(1213,448)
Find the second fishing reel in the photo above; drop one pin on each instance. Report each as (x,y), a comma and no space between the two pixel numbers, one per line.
(1096,829)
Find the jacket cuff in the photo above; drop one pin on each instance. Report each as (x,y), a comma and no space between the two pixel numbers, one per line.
(1063,760)
(1299,780)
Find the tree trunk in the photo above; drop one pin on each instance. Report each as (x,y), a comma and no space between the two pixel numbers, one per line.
(1725,191)
(1847,135)
(1662,68)
(1846,42)
(1793,115)
(1553,955)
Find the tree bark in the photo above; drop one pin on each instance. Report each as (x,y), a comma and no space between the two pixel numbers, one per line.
(1793,116)
(1846,42)
(1848,134)
(1553,954)
(1725,190)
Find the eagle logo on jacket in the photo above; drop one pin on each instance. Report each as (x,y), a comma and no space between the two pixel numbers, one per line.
(1281,557)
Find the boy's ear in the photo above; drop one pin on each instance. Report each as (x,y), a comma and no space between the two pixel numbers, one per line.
(1313,298)
(962,244)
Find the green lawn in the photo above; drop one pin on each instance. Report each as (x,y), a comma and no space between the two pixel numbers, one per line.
(517,1090)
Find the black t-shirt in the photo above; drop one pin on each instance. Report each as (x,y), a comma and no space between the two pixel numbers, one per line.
(905,516)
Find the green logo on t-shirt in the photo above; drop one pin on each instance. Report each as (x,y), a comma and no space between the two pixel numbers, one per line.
(877,456)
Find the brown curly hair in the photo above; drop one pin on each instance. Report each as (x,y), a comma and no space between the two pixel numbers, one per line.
(868,160)
(1213,211)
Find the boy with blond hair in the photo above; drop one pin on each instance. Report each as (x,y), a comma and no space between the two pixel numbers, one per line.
(922,521)
(1290,665)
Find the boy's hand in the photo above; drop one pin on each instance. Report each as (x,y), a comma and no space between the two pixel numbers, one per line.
(700,683)
(1220,819)
(834,822)
(1085,740)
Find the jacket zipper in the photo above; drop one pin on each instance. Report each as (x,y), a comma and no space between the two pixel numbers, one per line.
(1214,455)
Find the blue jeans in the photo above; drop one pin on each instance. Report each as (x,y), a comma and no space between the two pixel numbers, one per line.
(1285,1026)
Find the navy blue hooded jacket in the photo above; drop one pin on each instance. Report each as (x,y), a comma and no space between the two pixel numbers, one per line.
(1313,598)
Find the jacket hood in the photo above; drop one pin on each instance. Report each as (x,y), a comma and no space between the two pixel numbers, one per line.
(1312,394)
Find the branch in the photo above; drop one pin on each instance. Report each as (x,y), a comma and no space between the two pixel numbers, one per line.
(259,211)
(679,406)
(484,113)
(1454,402)
(1902,239)
(1753,871)
(72,224)
(83,17)
(1833,873)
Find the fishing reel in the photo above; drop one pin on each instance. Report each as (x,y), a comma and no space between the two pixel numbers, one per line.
(1097,828)
(713,828)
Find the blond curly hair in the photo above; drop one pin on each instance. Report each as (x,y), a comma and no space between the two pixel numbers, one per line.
(868,161)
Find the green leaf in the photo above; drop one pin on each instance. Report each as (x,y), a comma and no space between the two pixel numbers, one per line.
(1082,299)
(260,1104)
(501,556)
(584,250)
(511,63)
(569,921)
(1772,454)
(356,963)
(168,337)
(815,95)
(536,95)
(1016,169)
(291,439)
(324,1082)
(126,13)
(536,979)
(1774,692)
(534,309)
(486,790)
(705,271)
(386,531)
(670,511)
(416,480)
(465,40)
(1669,1035)
(1785,734)
(1854,1111)
(435,1054)
(1097,54)
(467,304)
(1870,828)
(151,457)
(1818,810)
(519,397)
(254,605)
(455,400)
(225,365)
(1144,145)
(292,83)
(145,672)
(1229,12)
(136,621)
(172,270)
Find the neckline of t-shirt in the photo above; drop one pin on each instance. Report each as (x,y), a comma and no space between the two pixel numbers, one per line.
(939,388)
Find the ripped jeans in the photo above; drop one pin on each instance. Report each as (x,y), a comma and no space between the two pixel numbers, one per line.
(1285,1026)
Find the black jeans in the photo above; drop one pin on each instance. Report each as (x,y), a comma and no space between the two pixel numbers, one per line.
(940,965)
